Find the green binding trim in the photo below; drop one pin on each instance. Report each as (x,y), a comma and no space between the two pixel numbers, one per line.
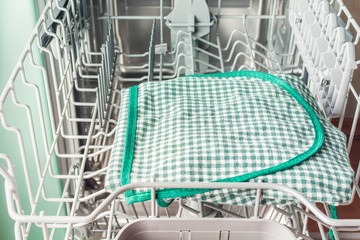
(132,197)
(130,139)
(330,234)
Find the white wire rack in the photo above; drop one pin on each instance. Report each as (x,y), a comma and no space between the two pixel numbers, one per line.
(72,71)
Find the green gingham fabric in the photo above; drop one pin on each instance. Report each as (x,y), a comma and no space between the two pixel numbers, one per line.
(213,127)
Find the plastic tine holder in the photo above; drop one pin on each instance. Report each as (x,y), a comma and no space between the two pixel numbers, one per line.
(327,55)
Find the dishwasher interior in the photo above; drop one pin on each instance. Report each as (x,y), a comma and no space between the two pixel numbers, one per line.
(82,53)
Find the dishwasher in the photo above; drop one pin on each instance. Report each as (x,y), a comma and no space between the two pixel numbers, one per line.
(63,106)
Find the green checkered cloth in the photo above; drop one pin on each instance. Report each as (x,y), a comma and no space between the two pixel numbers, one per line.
(239,126)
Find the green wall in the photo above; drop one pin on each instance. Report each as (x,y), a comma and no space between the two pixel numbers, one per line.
(17,21)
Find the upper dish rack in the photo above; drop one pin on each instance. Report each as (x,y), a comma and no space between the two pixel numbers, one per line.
(82,53)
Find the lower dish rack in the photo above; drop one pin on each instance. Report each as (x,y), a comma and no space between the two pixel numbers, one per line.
(60,107)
